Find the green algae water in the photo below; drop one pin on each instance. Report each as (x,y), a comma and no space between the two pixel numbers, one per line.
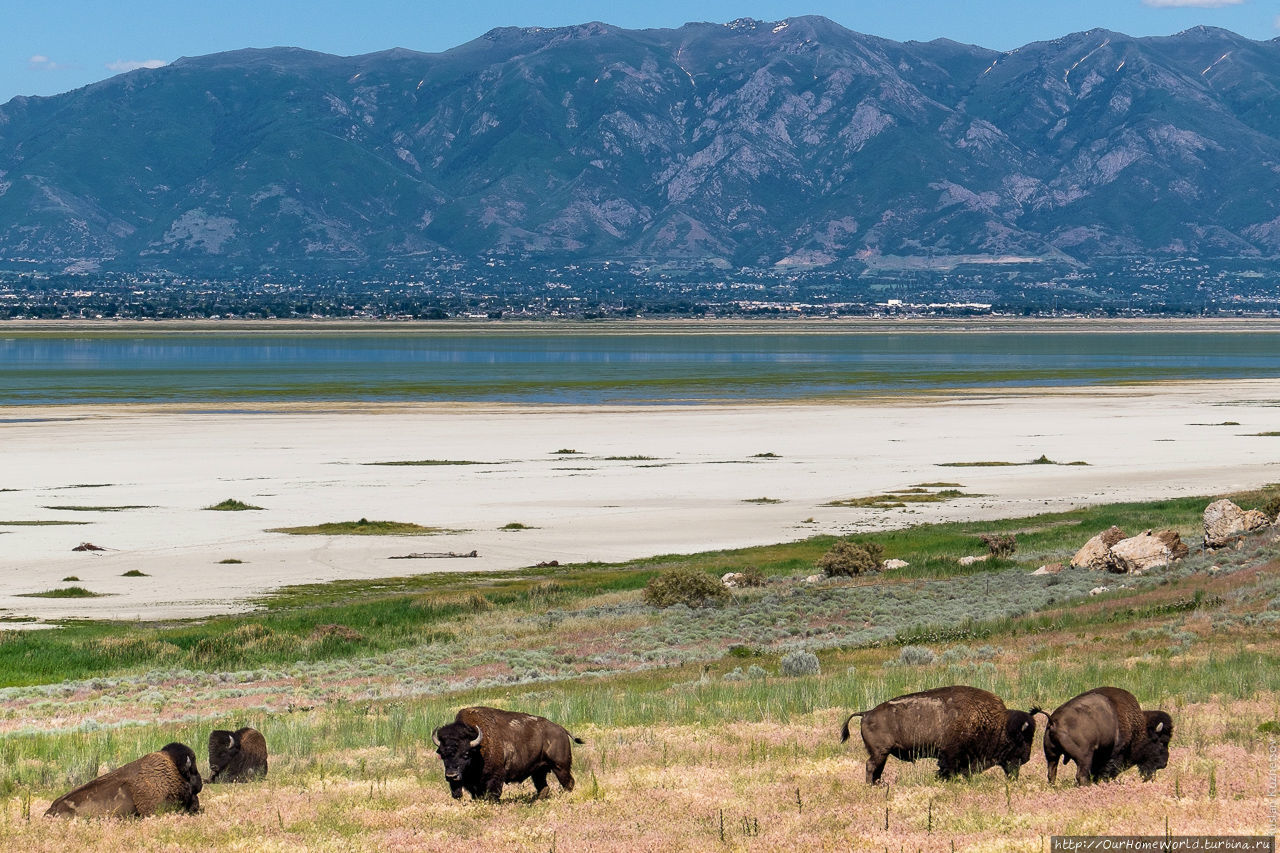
(599,368)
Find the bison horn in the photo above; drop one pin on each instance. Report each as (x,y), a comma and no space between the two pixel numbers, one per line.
(479,735)
(231,741)
(1160,726)
(435,735)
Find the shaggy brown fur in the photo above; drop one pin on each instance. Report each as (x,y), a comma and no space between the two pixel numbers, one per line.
(966,729)
(512,747)
(1105,732)
(238,756)
(158,781)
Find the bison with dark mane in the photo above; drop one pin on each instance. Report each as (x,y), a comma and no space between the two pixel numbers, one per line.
(485,748)
(1105,732)
(238,756)
(968,730)
(158,781)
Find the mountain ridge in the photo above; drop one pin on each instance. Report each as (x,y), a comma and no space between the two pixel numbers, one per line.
(758,144)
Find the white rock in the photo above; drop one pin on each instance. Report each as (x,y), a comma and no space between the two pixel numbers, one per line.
(1098,590)
(970,560)
(895,564)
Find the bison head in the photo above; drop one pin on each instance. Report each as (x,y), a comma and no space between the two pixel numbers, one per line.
(1154,754)
(458,746)
(1019,732)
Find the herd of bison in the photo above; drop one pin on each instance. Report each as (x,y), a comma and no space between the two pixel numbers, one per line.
(1104,731)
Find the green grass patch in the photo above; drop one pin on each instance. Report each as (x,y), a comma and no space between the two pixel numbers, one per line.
(363,527)
(39,523)
(895,500)
(1268,434)
(98,508)
(565,451)
(230,561)
(232,505)
(629,458)
(1040,460)
(765,456)
(762,500)
(134,573)
(70,579)
(515,525)
(64,592)
(430,462)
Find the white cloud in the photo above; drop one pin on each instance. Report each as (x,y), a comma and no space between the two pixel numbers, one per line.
(122,65)
(1198,4)
(40,62)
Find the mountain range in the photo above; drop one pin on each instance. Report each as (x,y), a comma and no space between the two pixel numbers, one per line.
(758,144)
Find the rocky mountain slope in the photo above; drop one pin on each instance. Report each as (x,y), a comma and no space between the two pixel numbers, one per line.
(756,144)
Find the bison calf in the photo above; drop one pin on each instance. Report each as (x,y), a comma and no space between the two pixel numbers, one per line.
(484,748)
(238,756)
(168,779)
(966,729)
(1105,732)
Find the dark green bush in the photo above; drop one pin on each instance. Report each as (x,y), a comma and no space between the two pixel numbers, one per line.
(851,558)
(690,587)
(1272,508)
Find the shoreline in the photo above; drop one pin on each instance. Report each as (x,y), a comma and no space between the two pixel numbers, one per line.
(644,325)
(645,480)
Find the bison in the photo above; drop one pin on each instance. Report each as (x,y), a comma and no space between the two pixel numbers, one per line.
(238,756)
(1105,732)
(968,730)
(484,748)
(158,781)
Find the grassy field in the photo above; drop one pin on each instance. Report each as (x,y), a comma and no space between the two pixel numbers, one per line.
(695,738)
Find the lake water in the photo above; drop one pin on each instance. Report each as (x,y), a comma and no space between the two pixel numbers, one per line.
(613,367)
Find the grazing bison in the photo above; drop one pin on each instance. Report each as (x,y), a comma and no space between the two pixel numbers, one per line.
(484,748)
(966,729)
(158,781)
(238,756)
(1105,732)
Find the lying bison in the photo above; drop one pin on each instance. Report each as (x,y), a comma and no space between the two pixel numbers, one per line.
(966,729)
(484,748)
(238,756)
(1105,732)
(158,781)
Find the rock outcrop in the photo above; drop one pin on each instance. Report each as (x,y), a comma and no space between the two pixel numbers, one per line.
(1147,550)
(1096,553)
(1225,523)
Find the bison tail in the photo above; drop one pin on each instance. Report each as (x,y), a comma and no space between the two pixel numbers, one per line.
(844,730)
(1036,709)
(578,740)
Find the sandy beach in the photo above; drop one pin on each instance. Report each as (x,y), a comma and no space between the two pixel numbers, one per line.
(644,480)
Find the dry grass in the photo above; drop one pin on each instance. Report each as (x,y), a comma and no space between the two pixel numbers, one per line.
(726,785)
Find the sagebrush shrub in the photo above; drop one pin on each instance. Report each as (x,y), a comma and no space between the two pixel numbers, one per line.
(686,586)
(800,663)
(1000,544)
(851,558)
(916,656)
(1272,508)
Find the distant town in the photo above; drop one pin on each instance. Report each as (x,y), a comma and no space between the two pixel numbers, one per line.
(506,288)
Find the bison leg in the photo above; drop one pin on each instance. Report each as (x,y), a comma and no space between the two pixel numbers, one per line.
(563,776)
(875,766)
(540,788)
(455,788)
(947,765)
(1084,768)
(493,789)
(1052,754)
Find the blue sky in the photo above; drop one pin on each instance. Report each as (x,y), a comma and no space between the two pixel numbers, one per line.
(51,46)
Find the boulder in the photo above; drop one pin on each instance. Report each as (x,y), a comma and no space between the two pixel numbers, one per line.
(1098,590)
(732,580)
(1225,523)
(1048,569)
(895,564)
(1147,550)
(1094,555)
(969,561)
